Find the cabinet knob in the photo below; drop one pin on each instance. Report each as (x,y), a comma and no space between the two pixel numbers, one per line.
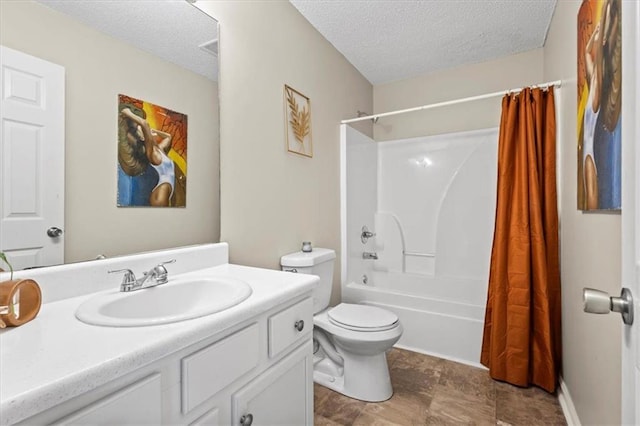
(246,420)
(299,325)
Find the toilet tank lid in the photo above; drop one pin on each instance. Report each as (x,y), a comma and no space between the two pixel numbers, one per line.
(312,258)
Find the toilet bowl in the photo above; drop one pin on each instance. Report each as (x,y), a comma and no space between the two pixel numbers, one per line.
(365,374)
(350,340)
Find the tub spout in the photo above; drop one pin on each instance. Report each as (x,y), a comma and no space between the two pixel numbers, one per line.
(367,255)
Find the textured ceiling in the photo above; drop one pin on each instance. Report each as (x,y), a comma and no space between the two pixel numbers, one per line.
(170,29)
(394,40)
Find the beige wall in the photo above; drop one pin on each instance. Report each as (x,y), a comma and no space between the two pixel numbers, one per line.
(590,250)
(98,68)
(272,200)
(468,80)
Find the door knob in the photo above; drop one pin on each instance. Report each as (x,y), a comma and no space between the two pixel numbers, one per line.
(246,420)
(599,302)
(54,232)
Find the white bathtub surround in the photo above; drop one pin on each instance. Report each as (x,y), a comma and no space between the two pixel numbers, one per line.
(433,215)
(56,358)
(361,168)
(441,190)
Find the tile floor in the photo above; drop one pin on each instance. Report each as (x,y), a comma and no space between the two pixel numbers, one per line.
(434,391)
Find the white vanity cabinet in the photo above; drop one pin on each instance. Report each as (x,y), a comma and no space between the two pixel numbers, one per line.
(257,372)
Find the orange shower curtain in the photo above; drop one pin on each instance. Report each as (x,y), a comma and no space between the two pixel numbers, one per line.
(522,341)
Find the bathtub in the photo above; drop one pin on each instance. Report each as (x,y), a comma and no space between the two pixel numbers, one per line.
(441,316)
(430,202)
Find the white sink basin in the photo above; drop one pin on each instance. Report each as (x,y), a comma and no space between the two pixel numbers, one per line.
(178,300)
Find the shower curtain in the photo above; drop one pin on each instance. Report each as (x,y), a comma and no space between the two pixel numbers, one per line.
(522,340)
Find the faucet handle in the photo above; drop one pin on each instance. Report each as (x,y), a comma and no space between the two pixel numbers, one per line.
(128,280)
(366,234)
(161,272)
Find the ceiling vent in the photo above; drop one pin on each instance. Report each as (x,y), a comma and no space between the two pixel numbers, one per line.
(210,47)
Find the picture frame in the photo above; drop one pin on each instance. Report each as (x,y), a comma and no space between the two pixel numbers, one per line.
(297,113)
(599,106)
(152,155)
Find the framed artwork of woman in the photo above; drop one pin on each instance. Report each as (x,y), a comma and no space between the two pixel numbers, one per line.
(599,105)
(152,155)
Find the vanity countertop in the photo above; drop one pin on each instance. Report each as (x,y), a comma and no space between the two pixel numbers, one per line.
(56,357)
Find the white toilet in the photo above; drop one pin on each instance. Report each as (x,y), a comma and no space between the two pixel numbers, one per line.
(350,340)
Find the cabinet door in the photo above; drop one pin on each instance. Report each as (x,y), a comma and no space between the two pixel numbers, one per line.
(210,418)
(137,404)
(282,395)
(213,368)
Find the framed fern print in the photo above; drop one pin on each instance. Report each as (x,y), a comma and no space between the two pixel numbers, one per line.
(297,112)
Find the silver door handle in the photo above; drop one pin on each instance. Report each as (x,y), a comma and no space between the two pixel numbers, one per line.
(246,420)
(599,302)
(54,232)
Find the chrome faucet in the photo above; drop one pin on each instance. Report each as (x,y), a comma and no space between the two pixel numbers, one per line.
(372,256)
(153,277)
(366,234)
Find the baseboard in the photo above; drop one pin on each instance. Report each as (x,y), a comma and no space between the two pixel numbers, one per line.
(438,355)
(568,409)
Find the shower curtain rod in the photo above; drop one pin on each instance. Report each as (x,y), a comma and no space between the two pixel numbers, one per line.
(557,83)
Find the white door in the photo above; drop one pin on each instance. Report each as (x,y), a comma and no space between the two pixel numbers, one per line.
(31,160)
(631,207)
(599,302)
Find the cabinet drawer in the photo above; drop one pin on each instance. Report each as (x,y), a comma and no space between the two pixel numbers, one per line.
(137,404)
(290,325)
(211,369)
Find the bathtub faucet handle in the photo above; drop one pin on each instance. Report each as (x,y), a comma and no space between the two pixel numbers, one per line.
(370,256)
(366,234)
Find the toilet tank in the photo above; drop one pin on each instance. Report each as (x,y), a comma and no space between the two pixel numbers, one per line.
(318,262)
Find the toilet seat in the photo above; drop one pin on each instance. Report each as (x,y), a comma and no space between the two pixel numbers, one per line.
(362,318)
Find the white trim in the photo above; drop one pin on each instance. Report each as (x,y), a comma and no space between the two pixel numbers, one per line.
(343,205)
(568,409)
(559,150)
(557,84)
(441,356)
(630,232)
